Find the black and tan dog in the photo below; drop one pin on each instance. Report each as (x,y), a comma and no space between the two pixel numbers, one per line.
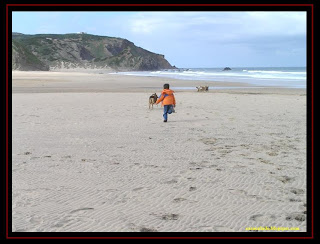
(152,100)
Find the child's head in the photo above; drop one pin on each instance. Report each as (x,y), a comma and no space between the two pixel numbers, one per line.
(166,86)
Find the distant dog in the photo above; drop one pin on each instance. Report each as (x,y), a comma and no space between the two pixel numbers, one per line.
(202,88)
(152,100)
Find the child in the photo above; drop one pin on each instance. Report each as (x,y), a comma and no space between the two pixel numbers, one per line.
(168,101)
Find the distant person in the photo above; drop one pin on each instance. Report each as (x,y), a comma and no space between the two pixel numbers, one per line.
(168,100)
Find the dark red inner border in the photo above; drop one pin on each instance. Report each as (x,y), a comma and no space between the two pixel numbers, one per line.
(164,5)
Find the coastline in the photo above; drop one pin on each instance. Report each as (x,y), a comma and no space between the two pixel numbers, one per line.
(89,156)
(95,81)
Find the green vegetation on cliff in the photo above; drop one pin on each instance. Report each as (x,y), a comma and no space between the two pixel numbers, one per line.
(24,59)
(53,51)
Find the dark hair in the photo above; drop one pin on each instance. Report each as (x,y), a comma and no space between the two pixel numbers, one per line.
(166,86)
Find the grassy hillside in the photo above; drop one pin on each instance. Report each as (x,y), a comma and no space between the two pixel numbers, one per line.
(85,51)
(24,59)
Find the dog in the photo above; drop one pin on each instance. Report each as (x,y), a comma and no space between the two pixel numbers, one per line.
(152,100)
(202,88)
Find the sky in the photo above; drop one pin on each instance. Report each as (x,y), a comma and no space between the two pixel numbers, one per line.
(189,39)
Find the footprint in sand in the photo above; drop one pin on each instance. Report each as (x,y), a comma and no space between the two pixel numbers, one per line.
(145,229)
(272,154)
(262,218)
(151,165)
(170,216)
(265,161)
(179,199)
(34,158)
(197,168)
(171,181)
(296,191)
(256,217)
(294,200)
(285,179)
(191,178)
(296,216)
(81,209)
(137,189)
(222,229)
(238,192)
(209,141)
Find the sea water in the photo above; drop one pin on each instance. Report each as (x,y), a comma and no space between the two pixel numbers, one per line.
(287,77)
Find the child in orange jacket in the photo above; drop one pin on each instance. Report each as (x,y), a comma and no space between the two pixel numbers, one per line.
(168,100)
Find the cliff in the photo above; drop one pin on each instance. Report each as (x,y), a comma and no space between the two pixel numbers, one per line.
(67,51)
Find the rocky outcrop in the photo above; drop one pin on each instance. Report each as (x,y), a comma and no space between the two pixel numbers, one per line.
(226,68)
(50,51)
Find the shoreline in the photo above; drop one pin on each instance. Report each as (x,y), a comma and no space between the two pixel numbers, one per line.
(93,81)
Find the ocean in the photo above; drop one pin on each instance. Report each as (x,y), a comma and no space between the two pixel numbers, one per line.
(287,77)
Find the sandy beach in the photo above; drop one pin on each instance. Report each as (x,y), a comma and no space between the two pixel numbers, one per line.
(88,155)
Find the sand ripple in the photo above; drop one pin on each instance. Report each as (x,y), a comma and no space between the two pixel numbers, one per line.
(104,162)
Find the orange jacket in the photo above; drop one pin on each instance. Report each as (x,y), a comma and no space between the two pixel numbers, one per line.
(167,97)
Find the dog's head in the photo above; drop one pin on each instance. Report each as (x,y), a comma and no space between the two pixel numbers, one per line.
(154,95)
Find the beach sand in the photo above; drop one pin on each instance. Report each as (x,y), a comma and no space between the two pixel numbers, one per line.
(89,156)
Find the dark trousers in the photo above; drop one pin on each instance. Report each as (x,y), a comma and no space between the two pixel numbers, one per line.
(167,110)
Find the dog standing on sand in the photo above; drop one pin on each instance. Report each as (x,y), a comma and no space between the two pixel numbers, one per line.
(152,100)
(202,88)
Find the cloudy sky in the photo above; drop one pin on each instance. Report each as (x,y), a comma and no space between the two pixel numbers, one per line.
(189,39)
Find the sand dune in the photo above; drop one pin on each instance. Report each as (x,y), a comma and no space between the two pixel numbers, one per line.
(104,162)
